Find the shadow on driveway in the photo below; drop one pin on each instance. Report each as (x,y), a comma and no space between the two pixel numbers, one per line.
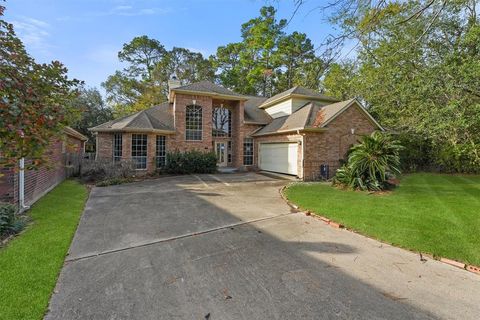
(222,247)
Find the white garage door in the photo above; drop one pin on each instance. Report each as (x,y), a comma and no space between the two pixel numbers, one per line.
(279,157)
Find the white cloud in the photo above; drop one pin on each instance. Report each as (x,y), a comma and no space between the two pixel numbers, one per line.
(34,33)
(130,11)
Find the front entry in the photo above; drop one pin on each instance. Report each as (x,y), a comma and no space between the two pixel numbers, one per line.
(221,152)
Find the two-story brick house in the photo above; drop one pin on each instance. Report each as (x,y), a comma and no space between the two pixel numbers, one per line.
(296,132)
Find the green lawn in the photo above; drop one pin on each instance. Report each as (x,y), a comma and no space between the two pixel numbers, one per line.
(30,263)
(434,213)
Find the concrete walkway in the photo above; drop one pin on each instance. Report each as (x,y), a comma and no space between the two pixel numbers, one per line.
(228,247)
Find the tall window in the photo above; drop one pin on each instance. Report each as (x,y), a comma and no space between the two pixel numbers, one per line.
(222,122)
(139,151)
(248,151)
(193,123)
(161,154)
(117,147)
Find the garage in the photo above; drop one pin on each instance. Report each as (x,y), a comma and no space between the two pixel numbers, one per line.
(279,157)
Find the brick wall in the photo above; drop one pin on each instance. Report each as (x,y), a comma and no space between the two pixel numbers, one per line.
(105,145)
(330,147)
(74,145)
(180,104)
(8,183)
(40,181)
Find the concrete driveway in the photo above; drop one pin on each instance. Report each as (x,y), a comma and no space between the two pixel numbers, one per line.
(228,247)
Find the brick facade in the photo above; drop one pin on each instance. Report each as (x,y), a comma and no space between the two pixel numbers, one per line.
(105,145)
(315,148)
(180,104)
(178,141)
(40,181)
(330,146)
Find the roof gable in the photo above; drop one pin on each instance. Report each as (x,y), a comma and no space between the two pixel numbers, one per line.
(155,119)
(296,91)
(209,88)
(332,111)
(314,117)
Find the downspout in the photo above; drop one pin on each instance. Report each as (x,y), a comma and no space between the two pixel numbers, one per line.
(303,153)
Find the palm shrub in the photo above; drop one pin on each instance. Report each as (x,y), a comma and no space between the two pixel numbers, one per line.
(371,163)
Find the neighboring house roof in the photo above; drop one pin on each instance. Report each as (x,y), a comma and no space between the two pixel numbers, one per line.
(156,119)
(253,114)
(74,133)
(311,116)
(209,88)
(296,92)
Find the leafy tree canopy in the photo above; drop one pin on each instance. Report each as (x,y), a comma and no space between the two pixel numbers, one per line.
(36,100)
(418,68)
(144,82)
(93,111)
(266,62)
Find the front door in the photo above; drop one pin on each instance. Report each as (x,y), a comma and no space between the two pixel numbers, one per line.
(221,152)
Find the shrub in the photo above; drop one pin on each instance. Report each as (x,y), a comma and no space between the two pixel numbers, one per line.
(418,153)
(113,181)
(10,223)
(371,163)
(105,169)
(191,162)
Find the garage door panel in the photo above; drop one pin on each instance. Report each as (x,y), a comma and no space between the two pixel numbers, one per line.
(279,157)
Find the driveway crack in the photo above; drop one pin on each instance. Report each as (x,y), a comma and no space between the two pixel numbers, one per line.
(183,236)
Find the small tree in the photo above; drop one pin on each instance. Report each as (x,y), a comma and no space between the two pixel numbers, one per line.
(371,163)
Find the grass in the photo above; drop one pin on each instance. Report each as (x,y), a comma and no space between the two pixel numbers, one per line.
(433,213)
(30,263)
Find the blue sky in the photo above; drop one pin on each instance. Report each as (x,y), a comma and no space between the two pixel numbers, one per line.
(87,34)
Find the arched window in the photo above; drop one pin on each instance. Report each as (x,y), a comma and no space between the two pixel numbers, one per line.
(193,123)
(222,122)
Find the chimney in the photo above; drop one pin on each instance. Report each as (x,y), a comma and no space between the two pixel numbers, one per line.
(172,84)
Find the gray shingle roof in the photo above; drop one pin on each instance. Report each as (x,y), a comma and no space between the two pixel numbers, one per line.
(297,91)
(298,120)
(74,133)
(209,87)
(253,113)
(157,118)
(309,116)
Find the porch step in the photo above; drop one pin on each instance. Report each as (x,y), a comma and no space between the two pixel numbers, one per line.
(227,170)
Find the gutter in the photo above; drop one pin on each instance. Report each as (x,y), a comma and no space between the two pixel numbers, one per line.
(297,131)
(211,94)
(132,130)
